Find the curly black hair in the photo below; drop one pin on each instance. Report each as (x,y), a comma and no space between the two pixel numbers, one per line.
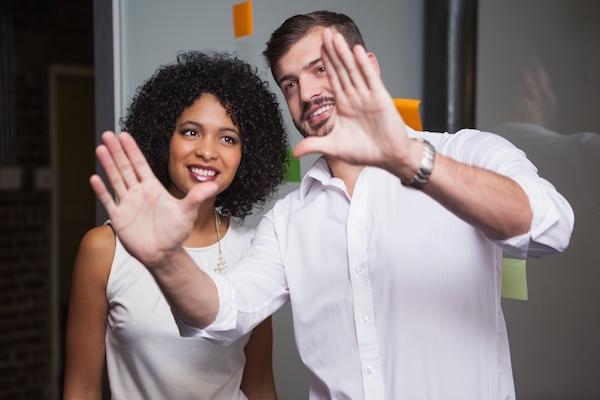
(252,107)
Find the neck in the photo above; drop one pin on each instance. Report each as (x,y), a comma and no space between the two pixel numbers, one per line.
(348,173)
(205,220)
(204,232)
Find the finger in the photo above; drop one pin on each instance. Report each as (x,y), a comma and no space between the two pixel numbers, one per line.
(198,194)
(112,172)
(139,162)
(367,69)
(313,144)
(102,194)
(336,86)
(350,64)
(338,66)
(122,162)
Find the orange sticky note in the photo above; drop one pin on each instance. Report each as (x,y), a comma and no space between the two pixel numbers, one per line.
(242,19)
(409,110)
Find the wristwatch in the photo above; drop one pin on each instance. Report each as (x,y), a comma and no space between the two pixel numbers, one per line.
(424,171)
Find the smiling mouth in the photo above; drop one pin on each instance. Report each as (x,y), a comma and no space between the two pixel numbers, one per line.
(203,174)
(321,110)
(318,115)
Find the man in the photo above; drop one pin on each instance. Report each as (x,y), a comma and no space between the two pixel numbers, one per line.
(390,251)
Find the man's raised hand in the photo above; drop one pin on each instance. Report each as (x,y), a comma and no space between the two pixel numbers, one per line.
(368,129)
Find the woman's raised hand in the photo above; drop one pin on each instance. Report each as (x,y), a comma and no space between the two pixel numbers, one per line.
(148,220)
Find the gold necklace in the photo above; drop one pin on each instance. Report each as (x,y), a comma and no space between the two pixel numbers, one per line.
(221,264)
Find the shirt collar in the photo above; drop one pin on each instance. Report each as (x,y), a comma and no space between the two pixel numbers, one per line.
(319,172)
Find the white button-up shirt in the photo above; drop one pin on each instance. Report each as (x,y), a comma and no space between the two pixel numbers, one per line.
(393,296)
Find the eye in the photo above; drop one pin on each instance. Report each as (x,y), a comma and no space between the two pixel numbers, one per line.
(321,70)
(290,86)
(229,140)
(189,132)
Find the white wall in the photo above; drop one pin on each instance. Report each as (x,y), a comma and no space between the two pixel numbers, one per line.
(152,32)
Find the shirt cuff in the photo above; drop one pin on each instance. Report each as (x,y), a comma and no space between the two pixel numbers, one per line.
(547,235)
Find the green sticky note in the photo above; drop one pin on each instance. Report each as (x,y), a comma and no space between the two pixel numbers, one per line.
(292,168)
(514,279)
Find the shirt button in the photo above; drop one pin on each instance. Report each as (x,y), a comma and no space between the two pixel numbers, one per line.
(358,270)
(365,319)
(370,370)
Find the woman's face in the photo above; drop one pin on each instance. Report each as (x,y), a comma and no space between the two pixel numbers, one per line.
(205,146)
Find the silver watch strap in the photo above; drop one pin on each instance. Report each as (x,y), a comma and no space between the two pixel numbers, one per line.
(424,172)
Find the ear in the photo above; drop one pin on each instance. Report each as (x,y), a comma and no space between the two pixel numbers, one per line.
(374,61)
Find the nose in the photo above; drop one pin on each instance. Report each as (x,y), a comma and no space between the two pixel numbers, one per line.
(205,148)
(309,87)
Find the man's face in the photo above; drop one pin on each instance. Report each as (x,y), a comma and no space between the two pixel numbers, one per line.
(302,78)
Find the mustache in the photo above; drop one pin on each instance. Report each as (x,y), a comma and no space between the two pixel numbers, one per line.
(315,102)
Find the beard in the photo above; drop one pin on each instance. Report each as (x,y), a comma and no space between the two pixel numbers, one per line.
(322,128)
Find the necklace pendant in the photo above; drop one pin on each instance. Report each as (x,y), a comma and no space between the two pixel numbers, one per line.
(221,265)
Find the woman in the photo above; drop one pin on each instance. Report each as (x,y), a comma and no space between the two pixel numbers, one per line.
(204,118)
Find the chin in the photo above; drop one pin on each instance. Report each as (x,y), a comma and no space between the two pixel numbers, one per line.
(322,129)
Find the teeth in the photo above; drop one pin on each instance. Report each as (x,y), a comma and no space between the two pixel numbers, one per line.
(203,172)
(321,110)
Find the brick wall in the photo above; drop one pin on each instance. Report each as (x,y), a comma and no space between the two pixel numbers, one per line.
(24,295)
(45,32)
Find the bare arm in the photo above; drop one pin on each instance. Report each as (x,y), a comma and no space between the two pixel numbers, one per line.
(88,310)
(152,225)
(191,292)
(369,131)
(257,382)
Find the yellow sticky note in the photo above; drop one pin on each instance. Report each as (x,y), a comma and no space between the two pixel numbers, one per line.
(514,279)
(242,19)
(409,110)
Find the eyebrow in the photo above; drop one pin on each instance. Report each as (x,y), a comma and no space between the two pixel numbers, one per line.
(307,66)
(199,125)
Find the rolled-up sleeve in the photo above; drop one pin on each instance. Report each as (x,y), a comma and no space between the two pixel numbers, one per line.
(251,292)
(552,215)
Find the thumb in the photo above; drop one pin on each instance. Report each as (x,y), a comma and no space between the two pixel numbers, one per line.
(198,194)
(312,144)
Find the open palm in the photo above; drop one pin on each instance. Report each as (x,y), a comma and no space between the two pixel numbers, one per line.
(148,220)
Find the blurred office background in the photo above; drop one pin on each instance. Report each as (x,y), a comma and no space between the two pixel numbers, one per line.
(525,70)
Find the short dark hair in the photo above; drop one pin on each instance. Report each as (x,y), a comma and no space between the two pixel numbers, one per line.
(295,28)
(253,108)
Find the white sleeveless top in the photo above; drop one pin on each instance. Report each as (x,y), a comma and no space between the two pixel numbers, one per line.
(146,357)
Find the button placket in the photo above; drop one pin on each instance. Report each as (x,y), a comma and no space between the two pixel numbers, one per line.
(357,233)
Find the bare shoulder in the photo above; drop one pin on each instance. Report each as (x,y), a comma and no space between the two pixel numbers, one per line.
(98,240)
(96,252)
